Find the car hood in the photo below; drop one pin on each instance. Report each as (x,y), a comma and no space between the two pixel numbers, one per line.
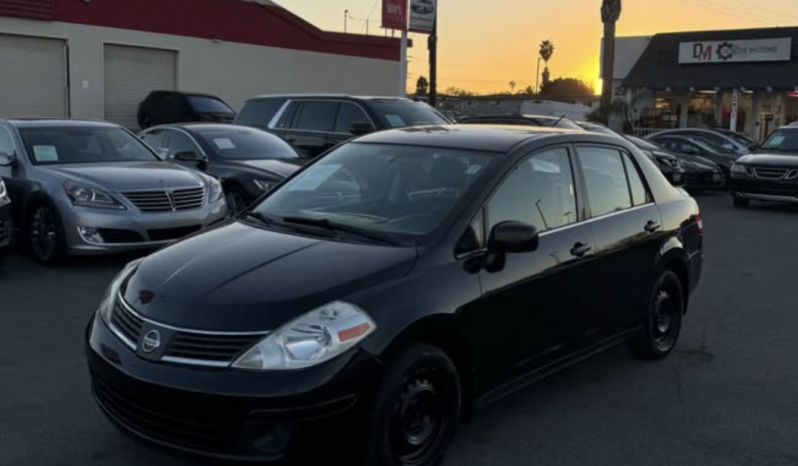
(280,168)
(770,160)
(130,176)
(241,278)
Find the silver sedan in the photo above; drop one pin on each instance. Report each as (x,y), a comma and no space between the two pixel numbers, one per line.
(92,188)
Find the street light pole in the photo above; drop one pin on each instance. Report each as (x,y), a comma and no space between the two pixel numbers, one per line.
(537,78)
(346,17)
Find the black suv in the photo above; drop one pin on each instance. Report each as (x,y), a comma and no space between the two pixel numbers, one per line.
(165,107)
(314,123)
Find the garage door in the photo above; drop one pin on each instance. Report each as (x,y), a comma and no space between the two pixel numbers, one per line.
(130,74)
(32,77)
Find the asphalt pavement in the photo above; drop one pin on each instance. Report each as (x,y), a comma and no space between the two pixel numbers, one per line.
(727,396)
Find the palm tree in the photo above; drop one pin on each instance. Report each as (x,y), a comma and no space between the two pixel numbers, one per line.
(610,13)
(546,51)
(512,86)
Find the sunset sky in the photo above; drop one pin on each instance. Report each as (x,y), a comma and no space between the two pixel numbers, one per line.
(485,44)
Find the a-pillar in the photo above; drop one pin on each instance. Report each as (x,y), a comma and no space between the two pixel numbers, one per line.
(719,108)
(684,107)
(752,121)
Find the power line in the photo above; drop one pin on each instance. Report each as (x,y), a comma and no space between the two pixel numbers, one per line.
(778,13)
(720,9)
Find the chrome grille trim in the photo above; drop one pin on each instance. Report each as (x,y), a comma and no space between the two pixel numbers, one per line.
(173,200)
(767,173)
(196,362)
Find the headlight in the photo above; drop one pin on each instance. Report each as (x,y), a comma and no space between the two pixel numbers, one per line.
(4,199)
(265,185)
(316,337)
(215,191)
(739,170)
(671,162)
(90,197)
(107,304)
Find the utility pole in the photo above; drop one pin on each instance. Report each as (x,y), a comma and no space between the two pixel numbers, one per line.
(432,44)
(537,78)
(346,17)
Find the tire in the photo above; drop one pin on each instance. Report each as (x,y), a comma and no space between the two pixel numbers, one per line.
(741,203)
(237,199)
(45,234)
(663,320)
(416,411)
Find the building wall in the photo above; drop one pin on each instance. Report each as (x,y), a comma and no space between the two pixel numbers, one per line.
(234,71)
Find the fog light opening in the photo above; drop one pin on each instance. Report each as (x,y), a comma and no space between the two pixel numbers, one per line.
(91,235)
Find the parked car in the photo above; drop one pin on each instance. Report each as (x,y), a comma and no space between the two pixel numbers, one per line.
(163,107)
(392,285)
(738,143)
(423,7)
(5,214)
(83,187)
(695,146)
(314,123)
(247,161)
(698,172)
(668,164)
(771,174)
(519,119)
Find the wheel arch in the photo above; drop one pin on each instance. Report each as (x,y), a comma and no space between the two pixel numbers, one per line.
(676,260)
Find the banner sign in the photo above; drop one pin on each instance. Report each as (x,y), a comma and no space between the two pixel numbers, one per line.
(422,15)
(735,51)
(394,14)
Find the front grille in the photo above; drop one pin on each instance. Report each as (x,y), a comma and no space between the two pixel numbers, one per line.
(127,323)
(158,419)
(168,234)
(113,236)
(167,201)
(213,348)
(770,173)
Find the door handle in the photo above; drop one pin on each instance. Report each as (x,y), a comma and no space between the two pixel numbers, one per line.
(652,226)
(580,249)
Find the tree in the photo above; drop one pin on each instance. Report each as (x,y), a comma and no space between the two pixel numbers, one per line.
(512,86)
(610,14)
(422,86)
(529,90)
(546,52)
(566,88)
(457,92)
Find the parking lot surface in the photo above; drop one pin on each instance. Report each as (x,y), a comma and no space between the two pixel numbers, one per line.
(727,396)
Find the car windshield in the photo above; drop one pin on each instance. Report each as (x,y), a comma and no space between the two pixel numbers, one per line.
(75,144)
(643,144)
(238,143)
(739,138)
(402,192)
(783,140)
(399,114)
(202,104)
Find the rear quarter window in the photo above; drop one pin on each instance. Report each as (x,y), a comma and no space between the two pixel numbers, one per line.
(259,112)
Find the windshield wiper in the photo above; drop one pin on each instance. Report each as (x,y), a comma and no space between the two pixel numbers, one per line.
(335,226)
(558,121)
(262,218)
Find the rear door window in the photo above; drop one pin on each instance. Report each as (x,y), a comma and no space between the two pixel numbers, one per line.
(318,115)
(259,112)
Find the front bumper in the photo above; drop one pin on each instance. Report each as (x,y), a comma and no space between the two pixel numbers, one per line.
(127,230)
(704,180)
(765,190)
(229,414)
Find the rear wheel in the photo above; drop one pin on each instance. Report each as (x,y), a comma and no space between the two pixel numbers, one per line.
(46,235)
(417,409)
(664,313)
(741,202)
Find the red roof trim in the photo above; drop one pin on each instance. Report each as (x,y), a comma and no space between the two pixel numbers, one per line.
(228,20)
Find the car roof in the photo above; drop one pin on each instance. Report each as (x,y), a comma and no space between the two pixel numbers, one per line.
(487,138)
(192,94)
(329,96)
(60,123)
(199,126)
(510,115)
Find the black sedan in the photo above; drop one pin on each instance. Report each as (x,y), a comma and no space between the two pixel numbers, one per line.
(771,174)
(247,161)
(372,300)
(696,146)
(5,215)
(698,172)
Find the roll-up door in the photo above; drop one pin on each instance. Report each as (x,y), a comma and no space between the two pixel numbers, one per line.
(33,82)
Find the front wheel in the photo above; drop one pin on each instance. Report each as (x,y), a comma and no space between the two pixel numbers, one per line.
(236,199)
(664,313)
(45,235)
(417,409)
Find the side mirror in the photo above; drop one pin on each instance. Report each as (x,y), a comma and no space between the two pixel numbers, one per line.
(753,147)
(188,156)
(513,237)
(7,160)
(360,128)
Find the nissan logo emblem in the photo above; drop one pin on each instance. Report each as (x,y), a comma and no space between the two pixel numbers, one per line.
(151,341)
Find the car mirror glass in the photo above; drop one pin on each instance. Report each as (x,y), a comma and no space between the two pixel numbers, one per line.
(7,160)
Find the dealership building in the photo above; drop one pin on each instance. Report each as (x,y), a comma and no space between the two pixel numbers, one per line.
(746,79)
(98,59)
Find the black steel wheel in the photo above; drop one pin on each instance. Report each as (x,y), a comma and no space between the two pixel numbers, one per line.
(663,318)
(45,235)
(417,409)
(236,200)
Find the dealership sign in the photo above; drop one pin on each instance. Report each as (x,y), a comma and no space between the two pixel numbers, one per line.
(422,15)
(394,14)
(735,51)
